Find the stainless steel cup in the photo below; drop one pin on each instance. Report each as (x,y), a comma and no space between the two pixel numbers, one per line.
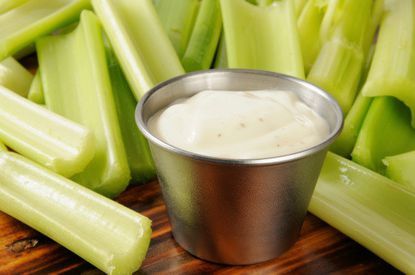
(236,211)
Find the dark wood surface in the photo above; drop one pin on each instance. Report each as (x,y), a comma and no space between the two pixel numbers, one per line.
(320,250)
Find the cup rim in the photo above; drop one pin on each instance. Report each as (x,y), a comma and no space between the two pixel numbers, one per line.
(249,161)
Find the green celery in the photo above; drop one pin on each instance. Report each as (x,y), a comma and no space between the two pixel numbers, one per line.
(353,121)
(262,37)
(339,65)
(110,236)
(34,19)
(36,90)
(221,58)
(309,23)
(43,136)
(205,36)
(7,5)
(15,77)
(369,208)
(76,84)
(2,147)
(393,67)
(177,18)
(143,49)
(400,168)
(331,18)
(385,131)
(138,152)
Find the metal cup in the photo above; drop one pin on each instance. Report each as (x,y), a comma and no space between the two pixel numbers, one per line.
(236,211)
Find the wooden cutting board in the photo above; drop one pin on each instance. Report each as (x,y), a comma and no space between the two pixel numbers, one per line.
(320,250)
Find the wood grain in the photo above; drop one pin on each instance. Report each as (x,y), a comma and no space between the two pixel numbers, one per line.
(320,250)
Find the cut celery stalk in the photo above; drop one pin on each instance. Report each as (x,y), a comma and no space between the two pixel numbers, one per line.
(6,5)
(299,6)
(393,67)
(43,136)
(2,147)
(33,19)
(262,37)
(14,76)
(400,168)
(309,23)
(36,90)
(371,209)
(339,65)
(331,18)
(177,18)
(221,58)
(353,121)
(386,131)
(138,152)
(205,36)
(108,235)
(77,85)
(143,49)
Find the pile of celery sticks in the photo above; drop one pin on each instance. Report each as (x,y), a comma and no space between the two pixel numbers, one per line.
(71,126)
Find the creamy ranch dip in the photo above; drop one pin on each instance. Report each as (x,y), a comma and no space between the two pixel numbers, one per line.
(240,125)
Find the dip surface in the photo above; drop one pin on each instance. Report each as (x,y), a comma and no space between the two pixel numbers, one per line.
(240,125)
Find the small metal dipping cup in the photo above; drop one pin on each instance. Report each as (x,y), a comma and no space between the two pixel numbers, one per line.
(236,211)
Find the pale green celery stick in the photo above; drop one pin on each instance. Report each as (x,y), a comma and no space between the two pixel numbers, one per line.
(108,235)
(353,121)
(43,136)
(299,6)
(138,152)
(205,36)
(393,67)
(34,19)
(262,37)
(400,168)
(371,209)
(331,18)
(143,49)
(177,18)
(2,147)
(309,23)
(7,5)
(221,58)
(36,90)
(339,65)
(386,131)
(76,84)
(15,77)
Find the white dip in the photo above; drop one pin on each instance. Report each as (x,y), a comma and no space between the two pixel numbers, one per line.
(240,125)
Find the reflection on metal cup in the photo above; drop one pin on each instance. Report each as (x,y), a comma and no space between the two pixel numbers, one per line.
(237,211)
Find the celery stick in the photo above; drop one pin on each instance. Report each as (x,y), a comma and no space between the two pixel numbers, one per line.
(339,65)
(221,58)
(15,77)
(2,147)
(34,19)
(262,37)
(77,85)
(177,18)
(205,36)
(143,49)
(400,168)
(36,90)
(138,152)
(43,136)
(393,68)
(353,121)
(7,5)
(386,131)
(309,23)
(369,208)
(331,18)
(108,235)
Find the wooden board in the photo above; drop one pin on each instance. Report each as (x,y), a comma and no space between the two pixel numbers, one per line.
(320,250)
